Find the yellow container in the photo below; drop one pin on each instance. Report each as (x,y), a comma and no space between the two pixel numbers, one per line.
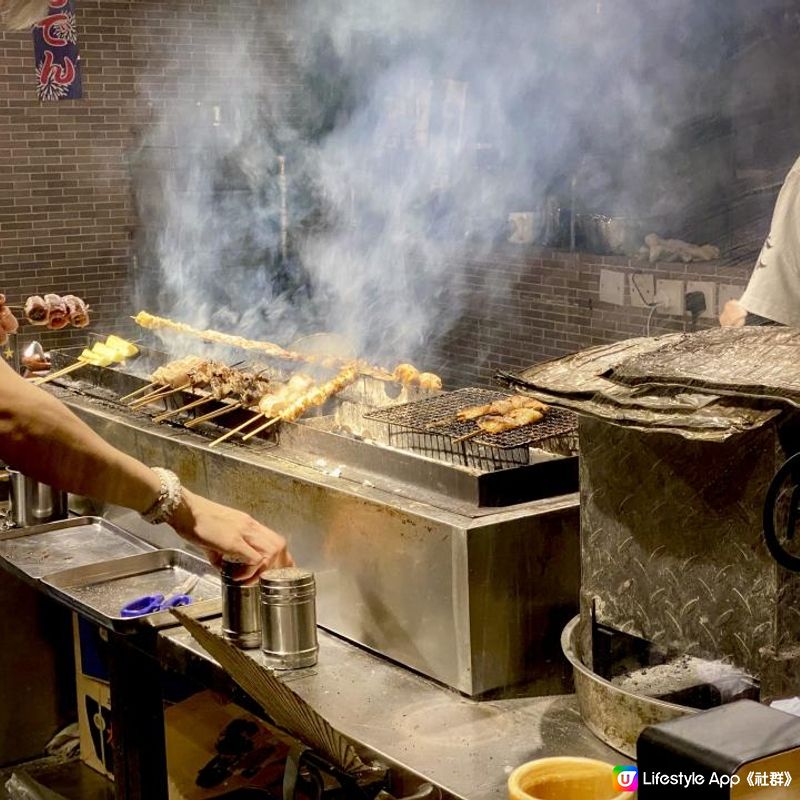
(564,779)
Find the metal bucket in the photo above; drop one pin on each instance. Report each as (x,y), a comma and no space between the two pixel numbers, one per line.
(614,715)
(33,503)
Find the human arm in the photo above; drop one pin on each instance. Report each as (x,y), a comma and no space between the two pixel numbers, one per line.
(41,437)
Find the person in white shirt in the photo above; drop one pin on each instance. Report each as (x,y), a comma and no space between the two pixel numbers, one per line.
(772,296)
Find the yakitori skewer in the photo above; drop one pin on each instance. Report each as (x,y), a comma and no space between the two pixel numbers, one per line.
(187,407)
(288,412)
(141,389)
(166,391)
(60,373)
(217,412)
(219,440)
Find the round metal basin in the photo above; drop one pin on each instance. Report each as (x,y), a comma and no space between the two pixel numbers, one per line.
(614,715)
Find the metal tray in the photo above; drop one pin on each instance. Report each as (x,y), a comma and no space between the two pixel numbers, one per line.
(66,544)
(615,715)
(98,591)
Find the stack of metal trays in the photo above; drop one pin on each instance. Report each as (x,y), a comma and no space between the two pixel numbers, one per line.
(96,568)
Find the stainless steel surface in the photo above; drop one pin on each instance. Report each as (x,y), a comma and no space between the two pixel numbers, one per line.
(466,747)
(100,590)
(613,714)
(33,503)
(610,235)
(66,544)
(241,610)
(475,598)
(289,618)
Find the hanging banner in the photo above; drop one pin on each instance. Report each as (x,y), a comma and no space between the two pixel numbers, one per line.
(55,42)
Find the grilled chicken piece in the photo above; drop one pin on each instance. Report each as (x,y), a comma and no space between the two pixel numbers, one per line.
(429,380)
(474,412)
(509,422)
(406,373)
(501,407)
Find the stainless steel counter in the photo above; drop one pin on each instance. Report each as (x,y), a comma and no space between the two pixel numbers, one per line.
(465,747)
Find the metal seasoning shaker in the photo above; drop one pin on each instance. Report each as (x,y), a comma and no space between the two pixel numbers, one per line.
(289,618)
(241,620)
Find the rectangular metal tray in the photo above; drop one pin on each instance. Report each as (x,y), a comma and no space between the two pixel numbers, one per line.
(99,591)
(66,544)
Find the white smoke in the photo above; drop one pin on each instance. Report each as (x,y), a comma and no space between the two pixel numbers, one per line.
(414,129)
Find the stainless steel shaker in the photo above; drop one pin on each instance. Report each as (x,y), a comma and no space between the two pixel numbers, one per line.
(241,616)
(289,618)
(33,503)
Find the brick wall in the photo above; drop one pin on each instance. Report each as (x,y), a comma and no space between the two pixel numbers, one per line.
(67,217)
(527,305)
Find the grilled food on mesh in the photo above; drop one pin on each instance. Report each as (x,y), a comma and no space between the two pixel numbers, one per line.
(501,407)
(515,418)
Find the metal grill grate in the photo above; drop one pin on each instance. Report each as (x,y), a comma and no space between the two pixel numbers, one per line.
(430,427)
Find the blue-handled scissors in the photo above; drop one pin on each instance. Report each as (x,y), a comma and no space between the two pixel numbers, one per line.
(150,603)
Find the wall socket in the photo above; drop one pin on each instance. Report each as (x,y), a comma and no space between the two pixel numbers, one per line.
(641,286)
(708,288)
(612,287)
(669,296)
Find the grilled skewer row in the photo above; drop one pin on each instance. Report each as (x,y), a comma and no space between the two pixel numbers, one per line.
(403,373)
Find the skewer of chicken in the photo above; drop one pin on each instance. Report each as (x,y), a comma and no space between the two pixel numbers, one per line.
(500,423)
(403,373)
(217,377)
(223,382)
(311,399)
(168,377)
(284,394)
(249,397)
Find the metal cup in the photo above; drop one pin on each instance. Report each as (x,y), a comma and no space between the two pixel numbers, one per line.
(289,618)
(33,503)
(241,619)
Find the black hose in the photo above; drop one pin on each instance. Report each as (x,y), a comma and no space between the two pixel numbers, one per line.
(779,553)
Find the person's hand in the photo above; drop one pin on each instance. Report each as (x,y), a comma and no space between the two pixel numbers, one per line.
(230,534)
(733,315)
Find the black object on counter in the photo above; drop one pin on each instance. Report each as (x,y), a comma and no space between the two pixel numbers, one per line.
(713,751)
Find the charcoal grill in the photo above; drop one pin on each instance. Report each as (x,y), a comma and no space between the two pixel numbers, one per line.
(430,427)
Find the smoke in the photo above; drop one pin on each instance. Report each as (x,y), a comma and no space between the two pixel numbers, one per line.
(412,131)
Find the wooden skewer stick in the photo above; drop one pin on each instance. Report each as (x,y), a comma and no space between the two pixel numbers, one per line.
(187,407)
(138,391)
(217,412)
(469,436)
(151,398)
(233,432)
(60,373)
(263,427)
(160,390)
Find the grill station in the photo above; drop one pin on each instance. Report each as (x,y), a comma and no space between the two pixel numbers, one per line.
(683,605)
(455,557)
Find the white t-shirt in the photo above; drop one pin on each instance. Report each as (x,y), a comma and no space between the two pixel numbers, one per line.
(774,288)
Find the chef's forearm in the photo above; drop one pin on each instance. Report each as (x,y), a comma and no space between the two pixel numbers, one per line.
(41,437)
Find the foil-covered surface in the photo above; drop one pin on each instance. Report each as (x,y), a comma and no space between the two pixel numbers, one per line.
(705,386)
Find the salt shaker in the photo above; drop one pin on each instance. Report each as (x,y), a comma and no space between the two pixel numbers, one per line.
(289,618)
(241,619)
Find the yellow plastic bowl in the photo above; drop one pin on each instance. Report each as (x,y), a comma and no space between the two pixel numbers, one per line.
(564,779)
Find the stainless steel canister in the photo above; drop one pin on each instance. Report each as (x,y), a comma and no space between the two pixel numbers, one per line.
(241,619)
(33,503)
(289,618)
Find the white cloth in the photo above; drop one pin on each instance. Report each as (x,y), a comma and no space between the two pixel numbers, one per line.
(774,288)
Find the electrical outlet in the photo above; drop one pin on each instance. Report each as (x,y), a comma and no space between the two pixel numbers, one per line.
(612,287)
(642,286)
(708,288)
(669,296)
(727,291)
